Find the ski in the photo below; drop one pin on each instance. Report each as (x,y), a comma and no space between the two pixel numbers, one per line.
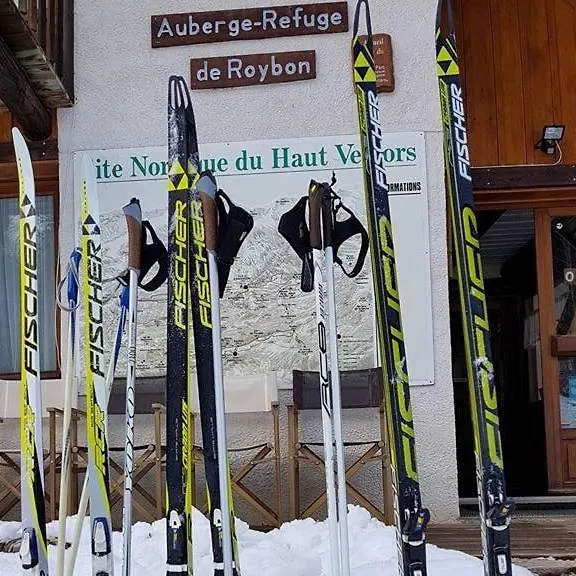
(411,517)
(33,549)
(495,508)
(96,392)
(179,462)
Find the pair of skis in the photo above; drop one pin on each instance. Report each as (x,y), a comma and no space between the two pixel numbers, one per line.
(205,232)
(495,508)
(316,242)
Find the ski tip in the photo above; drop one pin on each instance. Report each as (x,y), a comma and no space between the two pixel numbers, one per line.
(178,94)
(357,11)
(17,135)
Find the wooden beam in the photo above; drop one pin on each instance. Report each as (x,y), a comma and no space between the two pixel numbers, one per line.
(17,93)
(530,177)
(43,150)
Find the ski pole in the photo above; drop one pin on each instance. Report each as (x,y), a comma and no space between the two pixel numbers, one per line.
(73,280)
(83,504)
(133,214)
(327,239)
(207,189)
(314,214)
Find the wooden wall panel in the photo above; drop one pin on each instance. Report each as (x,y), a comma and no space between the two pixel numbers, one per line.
(478,59)
(537,76)
(519,64)
(510,111)
(563,50)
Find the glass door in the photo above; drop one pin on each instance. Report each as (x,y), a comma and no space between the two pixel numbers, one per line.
(556,247)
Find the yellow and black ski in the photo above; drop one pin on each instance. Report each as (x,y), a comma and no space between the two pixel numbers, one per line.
(495,508)
(96,388)
(178,446)
(33,550)
(411,517)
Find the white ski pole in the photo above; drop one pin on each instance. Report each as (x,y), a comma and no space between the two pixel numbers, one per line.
(327,229)
(72,280)
(83,504)
(315,194)
(207,188)
(133,214)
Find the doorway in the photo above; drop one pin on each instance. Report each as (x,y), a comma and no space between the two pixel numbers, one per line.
(508,244)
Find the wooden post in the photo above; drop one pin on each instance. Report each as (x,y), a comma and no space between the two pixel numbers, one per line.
(387,490)
(158,458)
(293,476)
(278,488)
(52,484)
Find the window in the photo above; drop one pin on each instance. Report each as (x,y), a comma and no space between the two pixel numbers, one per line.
(46,207)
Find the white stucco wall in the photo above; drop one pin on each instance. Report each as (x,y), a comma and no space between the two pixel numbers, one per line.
(121,85)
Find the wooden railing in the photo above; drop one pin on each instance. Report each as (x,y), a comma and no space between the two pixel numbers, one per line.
(52,23)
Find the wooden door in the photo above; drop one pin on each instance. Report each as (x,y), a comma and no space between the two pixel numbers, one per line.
(556,257)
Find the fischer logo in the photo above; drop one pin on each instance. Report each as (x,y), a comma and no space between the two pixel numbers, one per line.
(379,158)
(95,316)
(460,132)
(201,263)
(181,266)
(30,302)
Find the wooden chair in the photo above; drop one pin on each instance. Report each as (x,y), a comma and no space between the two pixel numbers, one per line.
(252,395)
(360,389)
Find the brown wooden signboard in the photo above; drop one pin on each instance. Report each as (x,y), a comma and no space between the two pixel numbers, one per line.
(384,62)
(248,24)
(252,69)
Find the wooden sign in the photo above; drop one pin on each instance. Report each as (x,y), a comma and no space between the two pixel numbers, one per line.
(248,24)
(252,69)
(384,62)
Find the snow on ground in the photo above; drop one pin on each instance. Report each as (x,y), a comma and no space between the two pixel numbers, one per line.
(298,548)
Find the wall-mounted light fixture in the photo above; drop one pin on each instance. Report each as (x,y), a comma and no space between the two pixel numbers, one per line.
(551,136)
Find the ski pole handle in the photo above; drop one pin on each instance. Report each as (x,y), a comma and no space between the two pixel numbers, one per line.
(314,213)
(133,214)
(207,189)
(327,218)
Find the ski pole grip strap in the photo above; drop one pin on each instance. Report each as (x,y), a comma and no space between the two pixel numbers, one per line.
(133,214)
(315,193)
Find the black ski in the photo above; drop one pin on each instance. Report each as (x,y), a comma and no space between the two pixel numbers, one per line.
(410,516)
(495,508)
(178,447)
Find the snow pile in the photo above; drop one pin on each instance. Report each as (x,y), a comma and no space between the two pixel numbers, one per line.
(298,548)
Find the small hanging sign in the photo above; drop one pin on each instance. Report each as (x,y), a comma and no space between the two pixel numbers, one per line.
(384,62)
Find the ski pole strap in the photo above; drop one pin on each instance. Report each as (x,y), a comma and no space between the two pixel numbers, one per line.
(152,254)
(369,41)
(343,230)
(133,213)
(234,225)
(72,279)
(294,229)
